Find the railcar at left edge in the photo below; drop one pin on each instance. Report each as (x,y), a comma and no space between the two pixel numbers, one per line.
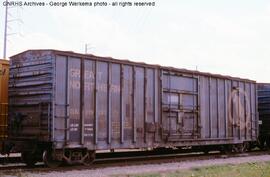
(4,77)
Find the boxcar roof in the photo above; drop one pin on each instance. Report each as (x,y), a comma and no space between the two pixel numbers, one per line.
(4,62)
(128,62)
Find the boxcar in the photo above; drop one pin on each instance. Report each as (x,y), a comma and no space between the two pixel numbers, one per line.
(264,113)
(4,75)
(68,105)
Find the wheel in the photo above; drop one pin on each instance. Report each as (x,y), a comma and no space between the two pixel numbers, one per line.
(89,158)
(251,145)
(243,147)
(49,161)
(238,148)
(29,158)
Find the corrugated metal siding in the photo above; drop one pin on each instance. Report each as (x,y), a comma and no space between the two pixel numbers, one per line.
(4,73)
(228,108)
(111,108)
(264,107)
(30,94)
(102,103)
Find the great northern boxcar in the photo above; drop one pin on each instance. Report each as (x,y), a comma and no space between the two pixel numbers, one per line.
(66,106)
(264,113)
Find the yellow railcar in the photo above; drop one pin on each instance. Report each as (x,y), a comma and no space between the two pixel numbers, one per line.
(4,75)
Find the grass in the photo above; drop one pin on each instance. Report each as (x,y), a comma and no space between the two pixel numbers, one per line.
(261,169)
(15,173)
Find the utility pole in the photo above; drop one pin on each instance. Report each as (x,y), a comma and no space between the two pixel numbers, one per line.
(6,27)
(87,47)
(5,32)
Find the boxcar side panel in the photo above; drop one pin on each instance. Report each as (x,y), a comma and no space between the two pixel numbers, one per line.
(127,104)
(58,128)
(204,108)
(213,106)
(139,106)
(221,108)
(248,110)
(254,116)
(88,102)
(115,103)
(115,109)
(242,112)
(227,109)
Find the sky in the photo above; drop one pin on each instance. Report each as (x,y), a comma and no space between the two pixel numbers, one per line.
(229,37)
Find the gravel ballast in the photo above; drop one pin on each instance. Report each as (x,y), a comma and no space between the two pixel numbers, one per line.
(140,169)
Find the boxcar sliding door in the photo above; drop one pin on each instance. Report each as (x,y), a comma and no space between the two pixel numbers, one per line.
(179,106)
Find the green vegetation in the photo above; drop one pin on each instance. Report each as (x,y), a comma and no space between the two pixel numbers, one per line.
(261,169)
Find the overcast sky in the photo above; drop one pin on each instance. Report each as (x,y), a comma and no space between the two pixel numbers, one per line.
(230,37)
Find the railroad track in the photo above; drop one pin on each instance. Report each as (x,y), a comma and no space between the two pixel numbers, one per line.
(131,158)
(114,156)
(107,155)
